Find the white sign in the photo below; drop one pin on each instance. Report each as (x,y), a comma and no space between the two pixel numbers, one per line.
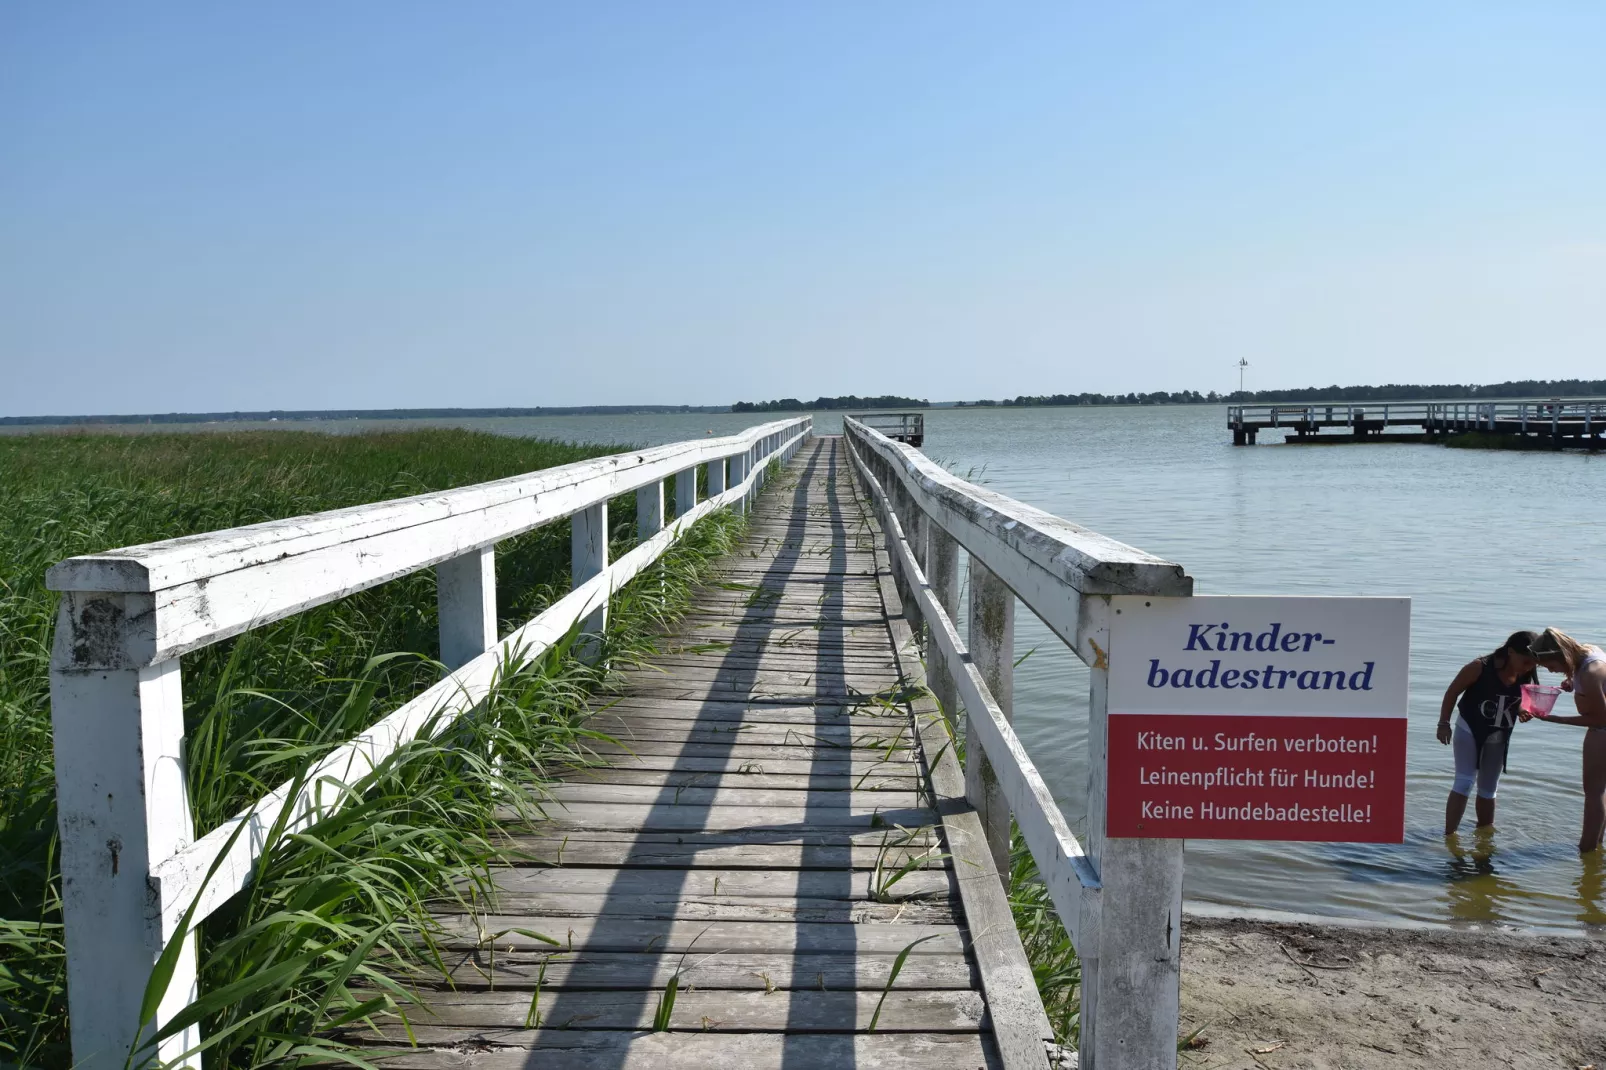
(1258,718)
(1256,655)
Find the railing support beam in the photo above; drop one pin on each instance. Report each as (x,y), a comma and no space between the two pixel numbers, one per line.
(942,575)
(992,649)
(1132,970)
(650,509)
(685,491)
(588,557)
(738,472)
(122,807)
(465,602)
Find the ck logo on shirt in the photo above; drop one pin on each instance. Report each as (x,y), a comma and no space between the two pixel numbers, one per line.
(1500,711)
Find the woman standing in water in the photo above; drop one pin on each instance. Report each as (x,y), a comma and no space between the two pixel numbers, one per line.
(1585,669)
(1488,693)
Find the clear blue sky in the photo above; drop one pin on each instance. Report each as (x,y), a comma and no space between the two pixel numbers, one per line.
(297,205)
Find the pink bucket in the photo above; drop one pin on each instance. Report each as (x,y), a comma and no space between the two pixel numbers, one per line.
(1537,699)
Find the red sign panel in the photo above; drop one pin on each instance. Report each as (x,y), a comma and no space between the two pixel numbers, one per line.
(1223,777)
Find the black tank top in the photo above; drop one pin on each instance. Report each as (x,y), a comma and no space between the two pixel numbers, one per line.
(1491,705)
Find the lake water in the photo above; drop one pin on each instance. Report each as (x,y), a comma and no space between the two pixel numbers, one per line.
(1483,542)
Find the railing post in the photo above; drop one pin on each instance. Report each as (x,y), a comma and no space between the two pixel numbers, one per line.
(685,491)
(904,508)
(122,807)
(650,507)
(465,602)
(942,573)
(1131,982)
(716,477)
(588,557)
(738,466)
(992,649)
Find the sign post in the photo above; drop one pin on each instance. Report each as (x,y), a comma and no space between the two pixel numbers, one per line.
(1251,718)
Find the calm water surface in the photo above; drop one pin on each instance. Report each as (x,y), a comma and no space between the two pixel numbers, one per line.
(1483,542)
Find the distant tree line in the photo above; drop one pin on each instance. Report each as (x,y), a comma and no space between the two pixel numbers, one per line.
(846,401)
(1516,388)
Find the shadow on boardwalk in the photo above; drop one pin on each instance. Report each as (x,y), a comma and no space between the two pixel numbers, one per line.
(739,847)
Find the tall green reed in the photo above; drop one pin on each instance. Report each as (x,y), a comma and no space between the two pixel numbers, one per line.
(261,706)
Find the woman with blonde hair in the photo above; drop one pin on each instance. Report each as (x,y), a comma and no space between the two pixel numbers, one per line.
(1585,669)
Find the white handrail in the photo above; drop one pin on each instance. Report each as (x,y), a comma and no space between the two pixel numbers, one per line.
(1120,900)
(130,864)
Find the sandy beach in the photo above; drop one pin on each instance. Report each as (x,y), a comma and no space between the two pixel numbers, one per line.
(1272,996)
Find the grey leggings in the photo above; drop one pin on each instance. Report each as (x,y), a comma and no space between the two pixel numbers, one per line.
(1470,766)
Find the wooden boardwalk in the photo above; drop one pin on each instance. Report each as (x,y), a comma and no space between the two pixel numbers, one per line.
(778,767)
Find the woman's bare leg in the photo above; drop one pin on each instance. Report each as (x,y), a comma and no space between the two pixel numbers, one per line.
(1594,790)
(1485,812)
(1454,808)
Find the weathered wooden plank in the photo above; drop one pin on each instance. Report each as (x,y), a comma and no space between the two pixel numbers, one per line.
(804,636)
(868,733)
(557,970)
(762,646)
(692,818)
(634,880)
(737,709)
(822,680)
(920,1010)
(827,848)
(795,655)
(759,692)
(807,780)
(462,931)
(580,1049)
(822,761)
(780,661)
(782,739)
(742,752)
(786,616)
(667,906)
(748,571)
(836,794)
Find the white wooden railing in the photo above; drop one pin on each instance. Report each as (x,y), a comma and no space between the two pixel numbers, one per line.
(131,865)
(1120,899)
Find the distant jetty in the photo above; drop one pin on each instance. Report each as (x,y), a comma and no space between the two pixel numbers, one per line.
(1533,423)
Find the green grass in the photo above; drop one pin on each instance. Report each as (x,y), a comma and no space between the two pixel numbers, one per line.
(1053,959)
(338,909)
